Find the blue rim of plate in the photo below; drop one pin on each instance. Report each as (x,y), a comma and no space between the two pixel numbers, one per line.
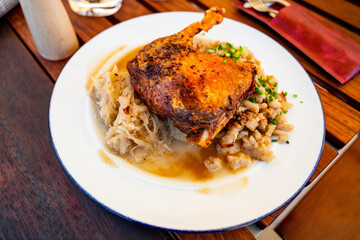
(198,231)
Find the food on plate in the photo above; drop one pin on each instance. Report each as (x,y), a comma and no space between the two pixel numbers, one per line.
(188,105)
(197,91)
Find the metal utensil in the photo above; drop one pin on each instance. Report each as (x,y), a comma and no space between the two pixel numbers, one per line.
(269,3)
(259,5)
(282,2)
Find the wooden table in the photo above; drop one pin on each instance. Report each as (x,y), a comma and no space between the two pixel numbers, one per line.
(39,200)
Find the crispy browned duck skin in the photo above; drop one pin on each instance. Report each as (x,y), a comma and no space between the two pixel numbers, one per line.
(196,90)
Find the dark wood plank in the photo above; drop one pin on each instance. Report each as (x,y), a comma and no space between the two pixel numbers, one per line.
(342,121)
(338,8)
(37,198)
(241,234)
(331,209)
(327,156)
(348,92)
(170,5)
(265,222)
(131,9)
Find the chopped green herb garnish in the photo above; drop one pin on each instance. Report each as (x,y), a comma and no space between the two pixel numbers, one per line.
(253,100)
(264,84)
(228,51)
(287,142)
(224,61)
(286,111)
(258,84)
(275,84)
(242,50)
(275,94)
(274,121)
(228,45)
(266,128)
(271,98)
(285,94)
(236,55)
(256,90)
(295,95)
(274,140)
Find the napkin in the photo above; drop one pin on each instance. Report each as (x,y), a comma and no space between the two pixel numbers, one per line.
(336,53)
(7,5)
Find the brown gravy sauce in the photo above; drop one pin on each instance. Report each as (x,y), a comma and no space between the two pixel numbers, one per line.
(185,162)
(107,159)
(121,63)
(226,189)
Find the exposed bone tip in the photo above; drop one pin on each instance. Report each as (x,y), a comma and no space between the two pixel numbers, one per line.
(216,10)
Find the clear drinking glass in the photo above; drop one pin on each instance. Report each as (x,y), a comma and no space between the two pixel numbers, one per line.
(95,8)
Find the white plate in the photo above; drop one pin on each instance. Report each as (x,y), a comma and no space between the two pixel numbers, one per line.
(179,206)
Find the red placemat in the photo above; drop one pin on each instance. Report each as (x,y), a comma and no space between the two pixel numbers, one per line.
(333,51)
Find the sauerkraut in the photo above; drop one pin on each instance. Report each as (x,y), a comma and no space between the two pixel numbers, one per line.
(131,129)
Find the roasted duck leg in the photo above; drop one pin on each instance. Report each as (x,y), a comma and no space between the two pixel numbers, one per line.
(198,91)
